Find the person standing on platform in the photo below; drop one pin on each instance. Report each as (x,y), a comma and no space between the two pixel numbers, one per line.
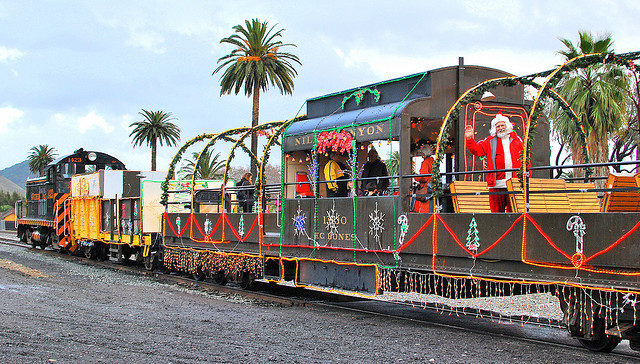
(424,202)
(503,149)
(336,178)
(245,193)
(375,168)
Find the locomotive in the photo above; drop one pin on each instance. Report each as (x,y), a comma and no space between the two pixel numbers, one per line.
(44,218)
(562,237)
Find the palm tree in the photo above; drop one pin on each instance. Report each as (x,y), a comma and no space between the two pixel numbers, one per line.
(393,164)
(599,96)
(156,126)
(40,157)
(207,168)
(256,62)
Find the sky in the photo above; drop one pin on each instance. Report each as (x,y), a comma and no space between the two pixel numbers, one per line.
(76,73)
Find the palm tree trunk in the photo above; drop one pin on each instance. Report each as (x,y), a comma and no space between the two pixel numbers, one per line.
(153,154)
(254,122)
(577,158)
(600,154)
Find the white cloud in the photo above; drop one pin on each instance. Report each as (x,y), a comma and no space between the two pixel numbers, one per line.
(10,54)
(127,119)
(9,115)
(83,123)
(91,120)
(150,41)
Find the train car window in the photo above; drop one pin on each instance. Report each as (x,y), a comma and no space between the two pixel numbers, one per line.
(42,202)
(68,169)
(90,168)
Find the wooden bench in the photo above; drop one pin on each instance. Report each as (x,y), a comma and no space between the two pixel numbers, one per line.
(618,201)
(478,203)
(586,201)
(556,202)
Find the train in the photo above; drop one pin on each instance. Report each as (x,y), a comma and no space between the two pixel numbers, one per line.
(574,238)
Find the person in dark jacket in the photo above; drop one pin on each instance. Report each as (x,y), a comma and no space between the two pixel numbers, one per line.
(245,193)
(375,168)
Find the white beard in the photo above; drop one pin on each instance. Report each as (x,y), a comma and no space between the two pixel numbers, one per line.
(503,134)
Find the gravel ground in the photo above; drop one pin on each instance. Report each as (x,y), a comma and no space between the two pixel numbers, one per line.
(543,305)
(59,311)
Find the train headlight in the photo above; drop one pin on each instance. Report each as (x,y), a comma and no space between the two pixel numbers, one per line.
(92,156)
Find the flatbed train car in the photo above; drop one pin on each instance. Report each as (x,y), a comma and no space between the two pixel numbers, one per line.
(562,237)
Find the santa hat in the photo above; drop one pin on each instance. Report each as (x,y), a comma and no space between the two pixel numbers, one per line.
(500,117)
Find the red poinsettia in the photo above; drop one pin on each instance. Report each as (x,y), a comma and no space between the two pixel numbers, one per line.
(335,141)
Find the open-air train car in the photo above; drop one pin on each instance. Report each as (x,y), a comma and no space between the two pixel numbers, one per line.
(561,238)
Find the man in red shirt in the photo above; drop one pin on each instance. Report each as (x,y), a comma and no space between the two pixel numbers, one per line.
(503,149)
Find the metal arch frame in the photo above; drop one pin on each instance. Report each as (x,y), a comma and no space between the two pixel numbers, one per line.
(504,81)
(227,136)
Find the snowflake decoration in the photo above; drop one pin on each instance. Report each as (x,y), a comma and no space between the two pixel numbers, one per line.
(208,226)
(241,226)
(299,222)
(376,227)
(333,220)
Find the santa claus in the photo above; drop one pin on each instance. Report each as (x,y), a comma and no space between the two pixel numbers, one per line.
(503,149)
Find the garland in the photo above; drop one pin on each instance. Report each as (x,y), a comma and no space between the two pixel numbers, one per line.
(335,141)
(359,95)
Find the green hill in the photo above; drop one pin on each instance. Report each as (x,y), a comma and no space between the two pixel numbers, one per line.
(15,176)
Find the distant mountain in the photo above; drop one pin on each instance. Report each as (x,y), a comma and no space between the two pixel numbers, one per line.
(8,186)
(17,173)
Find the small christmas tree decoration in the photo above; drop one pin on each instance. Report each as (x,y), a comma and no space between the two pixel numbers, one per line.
(473,240)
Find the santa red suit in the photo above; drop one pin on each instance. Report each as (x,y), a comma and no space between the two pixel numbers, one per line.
(502,153)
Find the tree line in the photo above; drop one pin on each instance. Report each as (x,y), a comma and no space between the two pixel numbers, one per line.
(8,200)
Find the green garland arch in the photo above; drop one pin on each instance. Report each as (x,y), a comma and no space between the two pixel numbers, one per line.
(545,90)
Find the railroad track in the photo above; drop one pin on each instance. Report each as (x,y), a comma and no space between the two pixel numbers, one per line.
(544,332)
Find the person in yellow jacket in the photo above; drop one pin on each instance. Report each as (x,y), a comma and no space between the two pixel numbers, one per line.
(334,174)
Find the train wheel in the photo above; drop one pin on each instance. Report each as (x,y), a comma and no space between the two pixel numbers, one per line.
(601,342)
(30,239)
(199,275)
(45,242)
(87,251)
(150,262)
(220,278)
(90,252)
(102,251)
(246,280)
(126,254)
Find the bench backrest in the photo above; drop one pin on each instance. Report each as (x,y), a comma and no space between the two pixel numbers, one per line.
(540,202)
(618,201)
(583,201)
(478,203)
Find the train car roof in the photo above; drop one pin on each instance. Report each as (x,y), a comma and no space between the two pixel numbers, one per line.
(385,101)
(85,154)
